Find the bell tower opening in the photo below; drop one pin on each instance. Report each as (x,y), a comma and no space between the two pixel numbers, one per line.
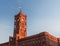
(20,26)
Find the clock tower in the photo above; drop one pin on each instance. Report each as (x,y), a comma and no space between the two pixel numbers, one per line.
(20,26)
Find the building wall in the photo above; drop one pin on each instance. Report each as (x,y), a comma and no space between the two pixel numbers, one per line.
(58,41)
(12,41)
(36,40)
(51,40)
(5,44)
(41,39)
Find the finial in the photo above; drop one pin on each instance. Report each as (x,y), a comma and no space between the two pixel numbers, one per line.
(20,9)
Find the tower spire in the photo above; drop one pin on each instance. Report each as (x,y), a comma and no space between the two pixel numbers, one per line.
(20,9)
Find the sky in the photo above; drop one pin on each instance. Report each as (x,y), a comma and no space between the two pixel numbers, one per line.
(42,15)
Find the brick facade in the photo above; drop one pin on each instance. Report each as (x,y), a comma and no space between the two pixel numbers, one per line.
(20,35)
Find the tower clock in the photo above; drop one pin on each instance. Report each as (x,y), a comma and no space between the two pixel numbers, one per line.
(20,26)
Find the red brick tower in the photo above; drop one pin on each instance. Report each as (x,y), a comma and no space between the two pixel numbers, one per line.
(20,26)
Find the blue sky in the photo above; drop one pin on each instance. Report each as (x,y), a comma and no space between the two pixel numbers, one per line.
(42,15)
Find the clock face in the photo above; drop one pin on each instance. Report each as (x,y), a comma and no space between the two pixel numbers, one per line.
(22,19)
